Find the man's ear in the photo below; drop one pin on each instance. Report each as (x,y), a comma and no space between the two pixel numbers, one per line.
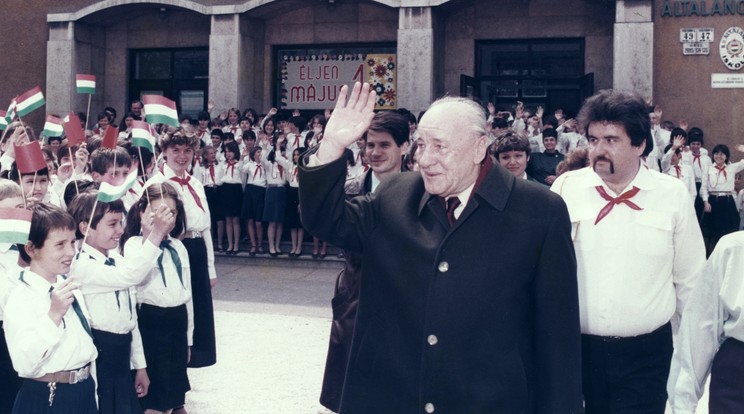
(83,227)
(481,149)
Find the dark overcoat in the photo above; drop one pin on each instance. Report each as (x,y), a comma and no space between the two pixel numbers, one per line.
(480,317)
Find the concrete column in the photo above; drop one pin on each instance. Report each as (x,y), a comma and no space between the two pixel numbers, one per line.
(416,58)
(633,67)
(60,76)
(225,55)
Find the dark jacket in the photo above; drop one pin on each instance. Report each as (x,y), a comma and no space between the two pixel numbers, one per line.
(478,318)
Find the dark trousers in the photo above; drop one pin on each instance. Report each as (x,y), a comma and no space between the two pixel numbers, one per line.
(726,379)
(626,375)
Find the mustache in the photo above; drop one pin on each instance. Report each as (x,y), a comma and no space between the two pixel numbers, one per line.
(603,158)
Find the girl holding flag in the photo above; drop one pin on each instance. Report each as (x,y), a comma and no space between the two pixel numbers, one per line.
(178,146)
(107,282)
(164,298)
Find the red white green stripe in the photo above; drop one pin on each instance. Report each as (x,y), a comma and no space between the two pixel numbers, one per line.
(160,110)
(3,121)
(85,83)
(15,225)
(29,101)
(108,193)
(141,136)
(10,114)
(53,127)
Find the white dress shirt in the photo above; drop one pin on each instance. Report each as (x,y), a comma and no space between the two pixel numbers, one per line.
(568,141)
(232,173)
(290,169)
(210,175)
(275,173)
(235,130)
(197,218)
(37,346)
(684,173)
(699,164)
(9,271)
(255,173)
(715,180)
(635,268)
(164,289)
(714,313)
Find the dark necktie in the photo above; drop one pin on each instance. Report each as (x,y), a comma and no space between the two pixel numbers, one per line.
(78,311)
(185,183)
(111,262)
(452,204)
(167,245)
(623,198)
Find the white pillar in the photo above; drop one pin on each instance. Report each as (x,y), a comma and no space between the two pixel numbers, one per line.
(60,76)
(416,46)
(225,50)
(633,67)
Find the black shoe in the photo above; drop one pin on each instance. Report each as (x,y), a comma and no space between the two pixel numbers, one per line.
(316,255)
(274,254)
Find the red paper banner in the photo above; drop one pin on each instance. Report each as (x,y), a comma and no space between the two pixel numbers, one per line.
(111,137)
(29,157)
(74,131)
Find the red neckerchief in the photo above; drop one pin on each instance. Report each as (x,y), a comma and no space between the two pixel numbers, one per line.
(297,141)
(185,183)
(697,158)
(722,169)
(623,198)
(231,165)
(678,169)
(259,168)
(211,172)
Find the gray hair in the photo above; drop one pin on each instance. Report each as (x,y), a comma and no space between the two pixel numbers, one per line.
(473,114)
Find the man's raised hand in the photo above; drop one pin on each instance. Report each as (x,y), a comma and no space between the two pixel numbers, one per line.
(348,122)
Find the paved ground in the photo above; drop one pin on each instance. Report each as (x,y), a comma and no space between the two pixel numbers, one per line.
(272,335)
(272,328)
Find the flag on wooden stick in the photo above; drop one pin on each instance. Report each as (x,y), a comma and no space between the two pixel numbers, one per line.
(108,193)
(15,225)
(85,83)
(29,101)
(73,130)
(111,137)
(53,127)
(160,110)
(29,157)
(141,136)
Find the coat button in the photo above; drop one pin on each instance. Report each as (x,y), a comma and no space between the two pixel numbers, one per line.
(443,267)
(429,408)
(432,340)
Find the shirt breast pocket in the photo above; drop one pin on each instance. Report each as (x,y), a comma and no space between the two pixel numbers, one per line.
(584,239)
(654,233)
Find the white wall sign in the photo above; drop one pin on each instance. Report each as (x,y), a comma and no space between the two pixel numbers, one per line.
(726,80)
(696,48)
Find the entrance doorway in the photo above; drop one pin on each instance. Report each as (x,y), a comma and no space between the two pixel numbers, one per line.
(181,75)
(544,72)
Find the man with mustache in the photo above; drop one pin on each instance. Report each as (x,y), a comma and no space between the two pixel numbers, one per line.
(468,298)
(638,250)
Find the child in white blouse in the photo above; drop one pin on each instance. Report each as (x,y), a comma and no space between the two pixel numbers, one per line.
(164,304)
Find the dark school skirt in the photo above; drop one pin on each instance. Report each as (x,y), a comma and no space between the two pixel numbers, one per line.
(726,379)
(214,205)
(723,217)
(116,392)
(230,197)
(9,379)
(292,214)
(253,202)
(276,199)
(164,340)
(33,398)
(203,352)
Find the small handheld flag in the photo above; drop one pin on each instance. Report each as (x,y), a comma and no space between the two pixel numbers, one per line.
(141,136)
(111,137)
(29,157)
(53,127)
(108,193)
(10,114)
(15,225)
(160,110)
(73,130)
(85,83)
(3,121)
(29,101)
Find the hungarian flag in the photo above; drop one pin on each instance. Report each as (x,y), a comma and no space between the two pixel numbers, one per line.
(15,225)
(10,114)
(53,127)
(85,83)
(160,110)
(3,121)
(29,101)
(29,157)
(73,130)
(111,137)
(108,193)
(141,136)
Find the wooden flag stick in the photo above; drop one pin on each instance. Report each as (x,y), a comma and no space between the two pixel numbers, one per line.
(87,114)
(90,220)
(4,134)
(144,174)
(33,185)
(72,165)
(114,173)
(23,126)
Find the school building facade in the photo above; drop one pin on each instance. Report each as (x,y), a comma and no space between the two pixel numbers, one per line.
(685,55)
